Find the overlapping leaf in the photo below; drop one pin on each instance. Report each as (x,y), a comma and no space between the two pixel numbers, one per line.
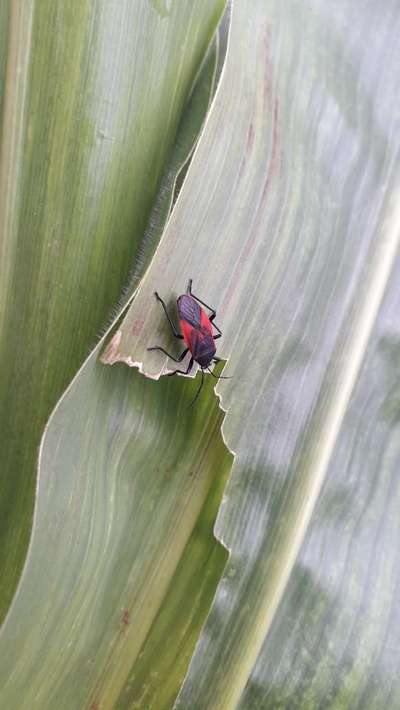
(294,236)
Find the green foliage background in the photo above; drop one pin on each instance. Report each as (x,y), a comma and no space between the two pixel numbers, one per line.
(162,570)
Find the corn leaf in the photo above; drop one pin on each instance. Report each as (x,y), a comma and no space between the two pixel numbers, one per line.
(51,685)
(288,223)
(295,237)
(92,95)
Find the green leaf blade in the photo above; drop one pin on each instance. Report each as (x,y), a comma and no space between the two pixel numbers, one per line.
(92,100)
(297,250)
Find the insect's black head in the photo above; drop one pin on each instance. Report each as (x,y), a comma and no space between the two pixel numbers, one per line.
(204,360)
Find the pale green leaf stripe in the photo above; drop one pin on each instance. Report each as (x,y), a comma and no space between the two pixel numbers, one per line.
(5,9)
(15,46)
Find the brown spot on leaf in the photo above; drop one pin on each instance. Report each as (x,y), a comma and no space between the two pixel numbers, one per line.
(126,618)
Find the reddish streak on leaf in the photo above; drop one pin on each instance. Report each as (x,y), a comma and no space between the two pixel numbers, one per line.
(249,146)
(242,166)
(250,138)
(137,326)
(271,107)
(126,617)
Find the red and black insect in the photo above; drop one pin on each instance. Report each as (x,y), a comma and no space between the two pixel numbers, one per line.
(197,332)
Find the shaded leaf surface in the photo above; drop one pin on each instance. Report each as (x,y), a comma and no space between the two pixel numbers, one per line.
(334,641)
(59,663)
(110,528)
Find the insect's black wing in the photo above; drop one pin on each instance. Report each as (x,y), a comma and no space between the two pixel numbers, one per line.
(202,347)
(189,311)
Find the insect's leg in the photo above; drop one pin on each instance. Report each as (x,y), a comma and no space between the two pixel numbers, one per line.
(189,290)
(213,311)
(174,330)
(220,377)
(216,328)
(182,372)
(199,390)
(179,359)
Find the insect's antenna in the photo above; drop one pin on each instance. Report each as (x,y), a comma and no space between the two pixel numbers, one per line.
(219,377)
(199,390)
